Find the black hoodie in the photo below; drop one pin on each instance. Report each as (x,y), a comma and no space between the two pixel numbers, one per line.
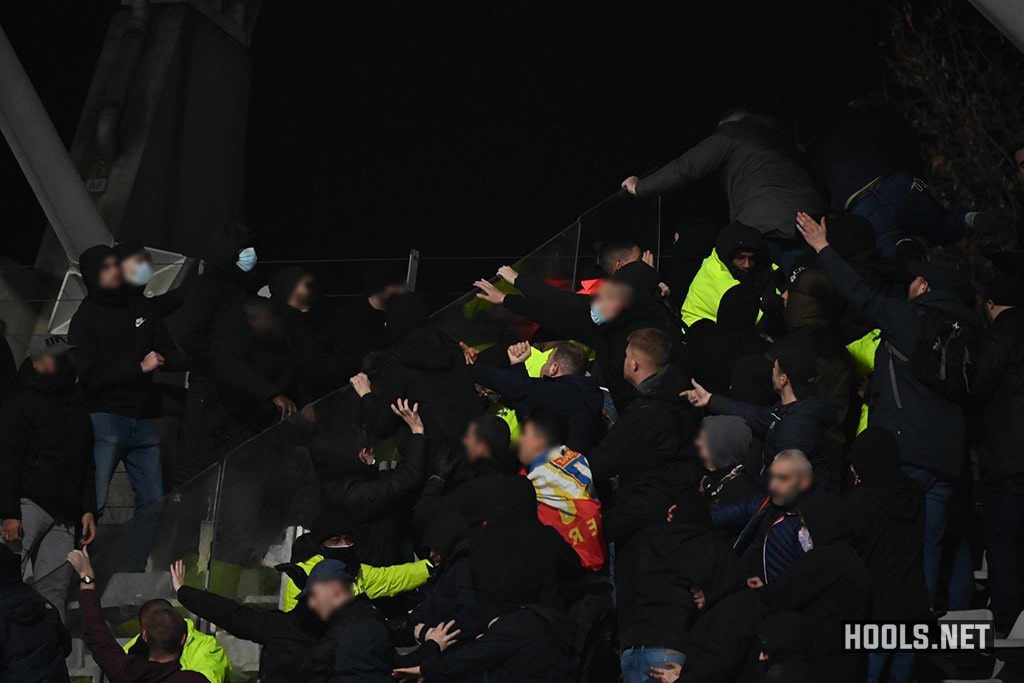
(46,449)
(112,332)
(888,512)
(426,367)
(213,305)
(711,348)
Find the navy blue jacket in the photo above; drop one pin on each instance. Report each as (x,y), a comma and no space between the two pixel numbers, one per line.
(782,542)
(577,398)
(33,642)
(929,429)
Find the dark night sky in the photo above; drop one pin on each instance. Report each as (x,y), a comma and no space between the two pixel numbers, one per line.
(378,126)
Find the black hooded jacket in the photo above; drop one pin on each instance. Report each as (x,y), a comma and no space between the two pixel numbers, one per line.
(213,304)
(711,348)
(999,384)
(723,641)
(33,641)
(428,368)
(46,449)
(888,514)
(112,331)
(376,501)
(826,586)
(656,603)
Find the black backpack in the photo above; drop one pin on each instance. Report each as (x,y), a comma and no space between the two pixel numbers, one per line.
(942,359)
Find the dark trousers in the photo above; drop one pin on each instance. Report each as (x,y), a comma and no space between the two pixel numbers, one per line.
(1003,502)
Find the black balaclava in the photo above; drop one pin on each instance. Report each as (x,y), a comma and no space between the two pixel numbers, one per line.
(221,249)
(737,237)
(90,263)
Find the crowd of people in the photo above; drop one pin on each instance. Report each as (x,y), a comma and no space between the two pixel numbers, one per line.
(653,484)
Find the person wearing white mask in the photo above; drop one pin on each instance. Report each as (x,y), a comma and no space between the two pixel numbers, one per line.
(137,271)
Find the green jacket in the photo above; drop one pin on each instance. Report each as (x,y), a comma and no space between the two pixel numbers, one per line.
(376,582)
(202,654)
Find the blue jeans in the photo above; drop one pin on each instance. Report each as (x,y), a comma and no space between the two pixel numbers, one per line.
(902,204)
(1003,502)
(137,444)
(938,493)
(902,667)
(637,662)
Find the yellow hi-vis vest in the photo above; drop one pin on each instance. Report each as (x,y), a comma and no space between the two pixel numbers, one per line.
(376,582)
(709,285)
(202,654)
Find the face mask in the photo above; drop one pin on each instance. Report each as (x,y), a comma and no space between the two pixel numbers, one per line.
(596,315)
(246,259)
(142,274)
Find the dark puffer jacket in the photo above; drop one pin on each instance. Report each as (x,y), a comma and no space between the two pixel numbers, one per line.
(781,541)
(765,185)
(999,382)
(33,642)
(46,450)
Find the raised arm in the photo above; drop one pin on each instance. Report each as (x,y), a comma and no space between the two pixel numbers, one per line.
(707,157)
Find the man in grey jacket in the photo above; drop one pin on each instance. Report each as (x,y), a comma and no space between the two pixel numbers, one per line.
(765,185)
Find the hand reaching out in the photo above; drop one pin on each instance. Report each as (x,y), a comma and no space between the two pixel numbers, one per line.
(669,674)
(698,396)
(469,352)
(286,406)
(409,415)
(508,274)
(518,353)
(177,575)
(361,383)
(79,559)
(814,233)
(489,293)
(648,258)
(443,634)
(629,184)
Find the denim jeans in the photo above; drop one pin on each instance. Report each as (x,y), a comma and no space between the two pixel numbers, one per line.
(136,443)
(637,662)
(1003,502)
(902,204)
(938,493)
(902,667)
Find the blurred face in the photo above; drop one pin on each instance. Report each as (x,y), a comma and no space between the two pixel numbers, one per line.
(110,273)
(302,295)
(611,299)
(786,482)
(703,452)
(476,448)
(531,444)
(131,263)
(265,323)
(918,287)
(744,260)
(1018,160)
(325,597)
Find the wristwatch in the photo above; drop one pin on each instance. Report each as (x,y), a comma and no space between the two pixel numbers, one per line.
(86,579)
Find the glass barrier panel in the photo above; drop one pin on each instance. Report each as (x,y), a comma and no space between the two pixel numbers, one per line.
(131,559)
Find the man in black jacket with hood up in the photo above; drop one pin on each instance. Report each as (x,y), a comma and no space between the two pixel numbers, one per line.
(887,512)
(424,366)
(119,341)
(48,491)
(212,309)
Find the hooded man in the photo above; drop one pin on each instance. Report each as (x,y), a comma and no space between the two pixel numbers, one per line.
(740,256)
(33,642)
(426,367)
(137,272)
(929,426)
(48,491)
(377,501)
(676,563)
(119,341)
(723,446)
(359,330)
(293,291)
(712,347)
(213,308)
(887,511)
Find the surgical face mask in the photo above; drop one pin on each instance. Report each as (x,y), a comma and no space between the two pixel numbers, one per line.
(596,315)
(141,275)
(246,259)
